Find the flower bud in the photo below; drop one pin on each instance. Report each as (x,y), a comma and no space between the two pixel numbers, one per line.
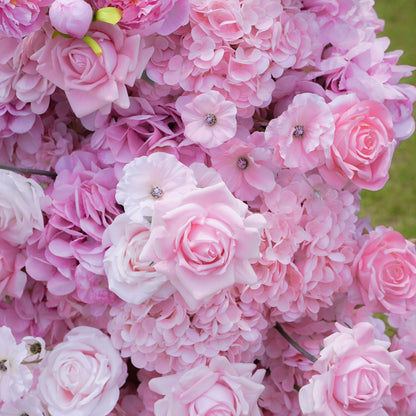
(71,17)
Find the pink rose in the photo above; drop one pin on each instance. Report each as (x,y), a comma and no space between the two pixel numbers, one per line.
(205,243)
(93,82)
(222,388)
(356,373)
(21,204)
(385,269)
(72,17)
(82,375)
(363,144)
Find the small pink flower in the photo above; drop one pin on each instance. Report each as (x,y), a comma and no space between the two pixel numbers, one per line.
(82,375)
(303,134)
(356,374)
(209,119)
(72,17)
(385,269)
(221,388)
(150,180)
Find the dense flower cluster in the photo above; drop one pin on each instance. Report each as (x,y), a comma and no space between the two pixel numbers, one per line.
(188,242)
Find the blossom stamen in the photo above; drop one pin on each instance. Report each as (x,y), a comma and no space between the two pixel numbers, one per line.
(242,163)
(298,131)
(211,119)
(3,365)
(156,192)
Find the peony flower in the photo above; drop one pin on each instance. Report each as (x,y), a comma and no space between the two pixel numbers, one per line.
(209,119)
(72,17)
(93,82)
(18,18)
(221,388)
(303,134)
(15,377)
(355,375)
(385,269)
(149,180)
(82,375)
(363,144)
(129,278)
(22,201)
(205,243)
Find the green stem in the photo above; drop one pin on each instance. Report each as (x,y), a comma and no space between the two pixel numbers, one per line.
(29,171)
(294,344)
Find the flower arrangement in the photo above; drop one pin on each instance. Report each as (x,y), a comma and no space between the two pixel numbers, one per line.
(179,194)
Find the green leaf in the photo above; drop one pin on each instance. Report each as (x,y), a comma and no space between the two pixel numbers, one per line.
(57,33)
(110,15)
(93,45)
(390,331)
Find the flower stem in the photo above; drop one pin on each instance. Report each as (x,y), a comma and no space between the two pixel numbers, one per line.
(294,344)
(29,171)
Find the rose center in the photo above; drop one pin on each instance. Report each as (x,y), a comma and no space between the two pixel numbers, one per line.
(211,119)
(242,163)
(156,192)
(35,348)
(298,131)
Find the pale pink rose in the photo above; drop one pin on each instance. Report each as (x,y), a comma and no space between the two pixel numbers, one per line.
(303,134)
(15,377)
(93,82)
(150,180)
(205,244)
(72,17)
(82,375)
(22,200)
(356,373)
(129,278)
(363,144)
(385,269)
(221,388)
(209,119)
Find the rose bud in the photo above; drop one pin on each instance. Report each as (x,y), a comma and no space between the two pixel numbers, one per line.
(71,17)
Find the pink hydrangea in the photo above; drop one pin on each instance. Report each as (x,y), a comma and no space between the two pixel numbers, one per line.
(94,81)
(220,387)
(210,233)
(363,144)
(385,269)
(356,373)
(303,134)
(209,119)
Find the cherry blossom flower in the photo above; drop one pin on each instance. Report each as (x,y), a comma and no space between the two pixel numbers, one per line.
(209,119)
